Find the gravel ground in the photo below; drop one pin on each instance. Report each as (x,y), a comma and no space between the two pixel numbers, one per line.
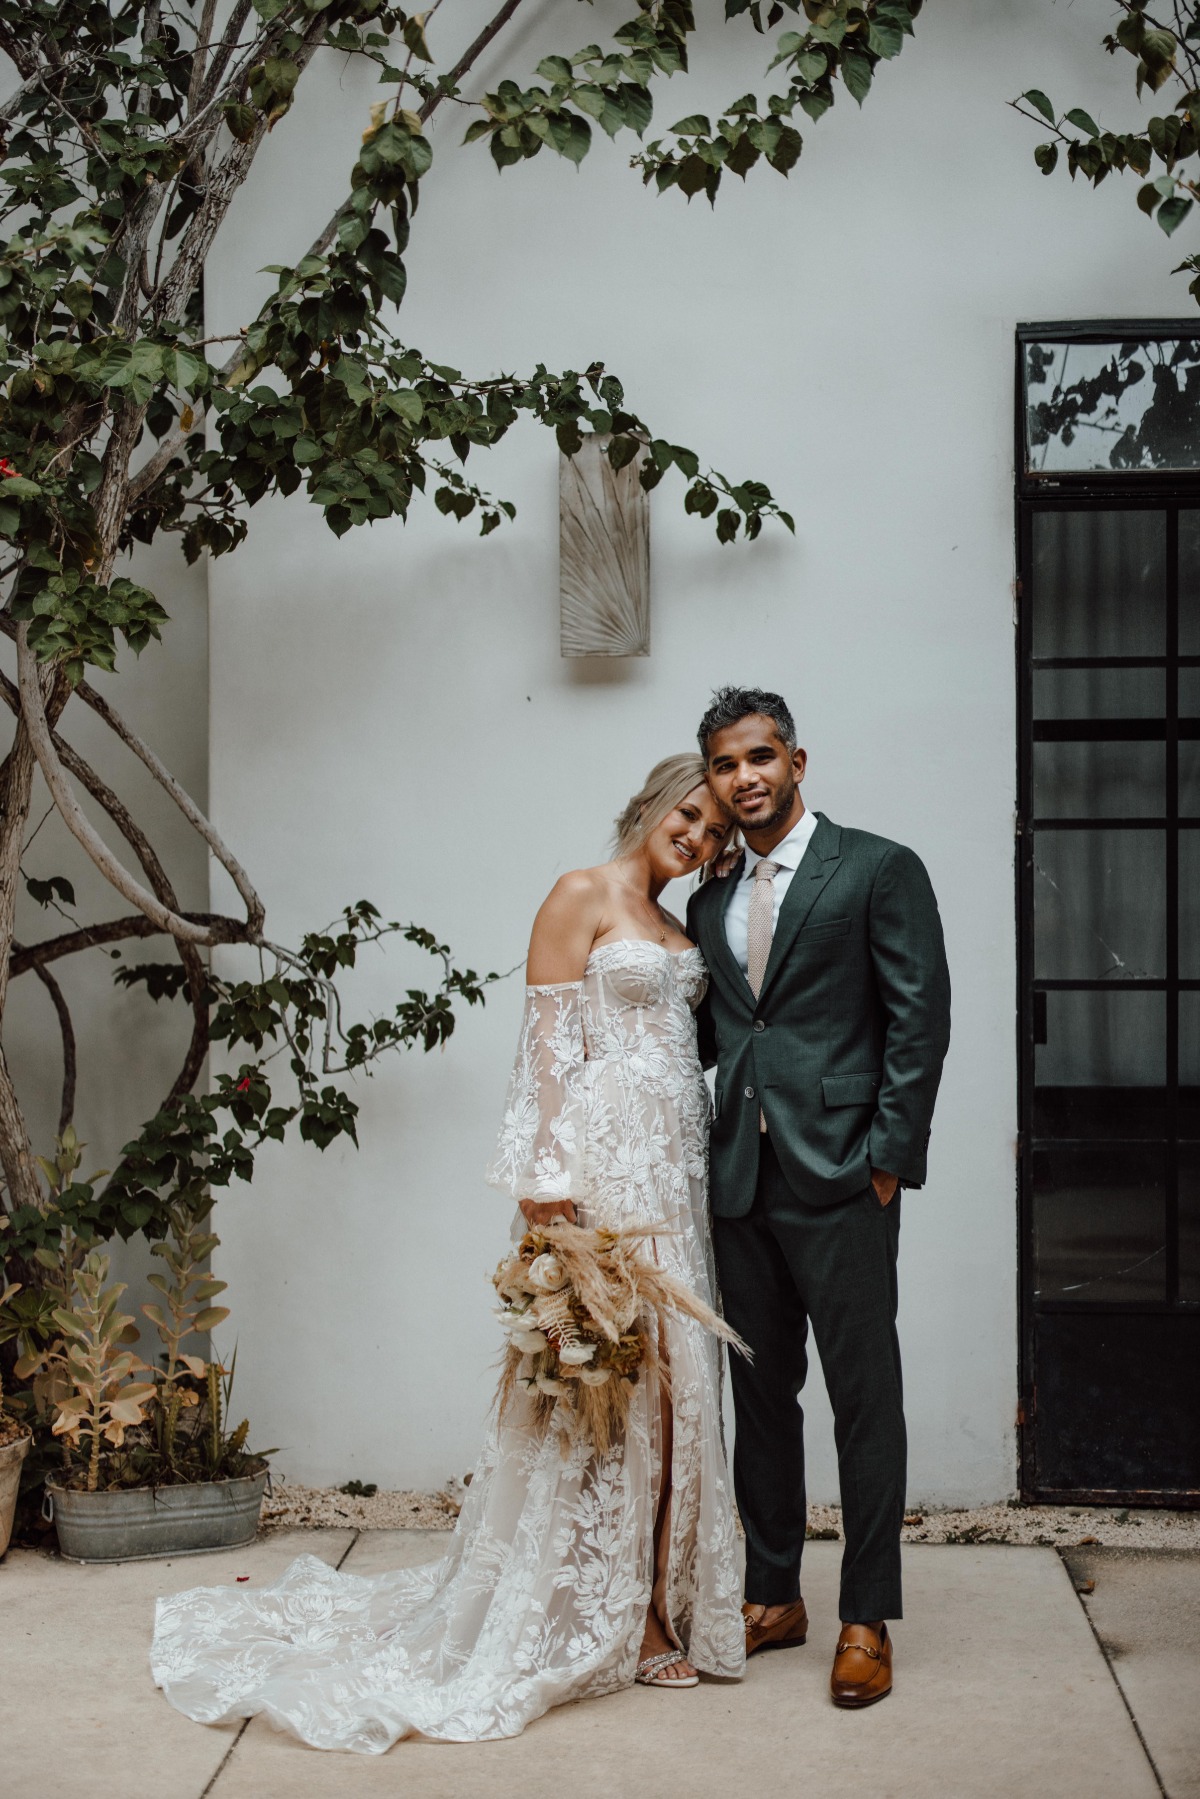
(294,1506)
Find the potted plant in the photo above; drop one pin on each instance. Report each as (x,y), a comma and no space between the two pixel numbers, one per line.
(149,1466)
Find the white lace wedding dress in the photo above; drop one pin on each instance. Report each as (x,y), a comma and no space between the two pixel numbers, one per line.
(542,1594)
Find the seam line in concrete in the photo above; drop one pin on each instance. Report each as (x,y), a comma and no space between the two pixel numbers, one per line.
(246,1722)
(1116,1679)
(224,1761)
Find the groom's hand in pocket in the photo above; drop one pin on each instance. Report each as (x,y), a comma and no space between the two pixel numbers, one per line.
(885,1185)
(543,1212)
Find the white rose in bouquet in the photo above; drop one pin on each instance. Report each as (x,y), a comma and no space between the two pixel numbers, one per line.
(574,1355)
(594,1377)
(530,1340)
(554,1387)
(546,1273)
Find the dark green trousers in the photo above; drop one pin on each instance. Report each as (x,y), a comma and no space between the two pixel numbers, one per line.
(781,1266)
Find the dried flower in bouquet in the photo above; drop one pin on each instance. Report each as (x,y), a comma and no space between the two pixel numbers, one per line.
(577,1305)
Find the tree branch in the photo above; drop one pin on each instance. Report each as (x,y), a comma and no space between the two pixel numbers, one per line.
(469,56)
(66,1110)
(33,711)
(117,930)
(157,465)
(255,910)
(220,186)
(156,874)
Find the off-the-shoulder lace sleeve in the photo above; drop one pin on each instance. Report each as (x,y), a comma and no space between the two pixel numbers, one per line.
(540,1152)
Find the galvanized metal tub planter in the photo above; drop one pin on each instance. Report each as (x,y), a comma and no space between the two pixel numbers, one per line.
(11,1457)
(136,1524)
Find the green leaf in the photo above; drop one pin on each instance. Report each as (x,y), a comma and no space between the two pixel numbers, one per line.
(45,892)
(555,69)
(1037,99)
(414,36)
(695,125)
(885,38)
(857,74)
(1083,121)
(786,154)
(578,141)
(1172,213)
(242,120)
(1046,158)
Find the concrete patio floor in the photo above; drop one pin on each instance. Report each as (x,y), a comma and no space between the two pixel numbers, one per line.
(1004,1687)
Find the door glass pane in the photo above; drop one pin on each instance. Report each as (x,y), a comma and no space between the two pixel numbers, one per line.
(1189,905)
(1189,583)
(1102,1067)
(1189,743)
(1103,692)
(1189,1224)
(1189,1065)
(1099,780)
(1131,405)
(1099,1219)
(1099,584)
(1099,905)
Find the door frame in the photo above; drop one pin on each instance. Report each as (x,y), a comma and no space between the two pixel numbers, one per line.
(1094,490)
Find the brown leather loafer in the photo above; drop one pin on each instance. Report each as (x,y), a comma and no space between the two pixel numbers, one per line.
(862,1665)
(787,1631)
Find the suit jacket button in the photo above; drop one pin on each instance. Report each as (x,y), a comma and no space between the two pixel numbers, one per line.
(759,1025)
(749,1093)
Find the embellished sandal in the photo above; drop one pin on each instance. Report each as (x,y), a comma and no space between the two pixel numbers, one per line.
(650,1672)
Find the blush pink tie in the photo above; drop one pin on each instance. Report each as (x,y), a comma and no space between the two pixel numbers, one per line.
(760,928)
(760,923)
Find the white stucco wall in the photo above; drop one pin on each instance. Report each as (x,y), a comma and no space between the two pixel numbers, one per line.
(390,716)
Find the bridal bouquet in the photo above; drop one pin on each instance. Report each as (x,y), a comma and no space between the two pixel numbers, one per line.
(577,1306)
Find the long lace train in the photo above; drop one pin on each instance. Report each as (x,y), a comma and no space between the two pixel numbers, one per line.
(543,1592)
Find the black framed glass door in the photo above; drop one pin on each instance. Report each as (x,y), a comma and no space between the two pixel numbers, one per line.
(1109,913)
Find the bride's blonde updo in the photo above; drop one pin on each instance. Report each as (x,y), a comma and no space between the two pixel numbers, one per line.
(668,783)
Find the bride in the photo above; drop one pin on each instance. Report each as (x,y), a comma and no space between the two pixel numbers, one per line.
(570,1573)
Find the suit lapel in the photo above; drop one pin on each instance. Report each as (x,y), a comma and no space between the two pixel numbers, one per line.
(822,859)
(717,953)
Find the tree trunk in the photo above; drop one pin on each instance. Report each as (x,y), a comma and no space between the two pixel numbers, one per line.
(16,1153)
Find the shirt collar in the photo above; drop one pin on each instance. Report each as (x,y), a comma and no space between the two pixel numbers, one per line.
(789,853)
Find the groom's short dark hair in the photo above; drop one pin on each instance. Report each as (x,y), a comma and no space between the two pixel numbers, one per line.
(731,704)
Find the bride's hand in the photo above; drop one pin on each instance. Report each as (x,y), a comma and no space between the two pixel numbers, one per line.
(543,1212)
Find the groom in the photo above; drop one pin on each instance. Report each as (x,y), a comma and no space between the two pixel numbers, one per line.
(828,1018)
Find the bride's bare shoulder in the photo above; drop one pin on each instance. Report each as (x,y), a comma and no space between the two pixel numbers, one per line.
(566,926)
(575,902)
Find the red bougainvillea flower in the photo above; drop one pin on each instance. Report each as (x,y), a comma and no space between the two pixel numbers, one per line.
(7,469)
(243,1085)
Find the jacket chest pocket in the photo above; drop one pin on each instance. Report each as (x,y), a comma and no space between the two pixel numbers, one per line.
(825,933)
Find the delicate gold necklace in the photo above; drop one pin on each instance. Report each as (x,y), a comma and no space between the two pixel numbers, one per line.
(657,913)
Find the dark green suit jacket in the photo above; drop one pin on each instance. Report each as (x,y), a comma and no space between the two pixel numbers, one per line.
(843,1049)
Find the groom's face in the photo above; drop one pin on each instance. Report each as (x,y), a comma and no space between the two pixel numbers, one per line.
(753,774)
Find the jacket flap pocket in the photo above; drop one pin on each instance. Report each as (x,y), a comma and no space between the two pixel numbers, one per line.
(850,1089)
(824,927)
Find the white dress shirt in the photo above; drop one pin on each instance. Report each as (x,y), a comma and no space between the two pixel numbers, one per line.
(789,854)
